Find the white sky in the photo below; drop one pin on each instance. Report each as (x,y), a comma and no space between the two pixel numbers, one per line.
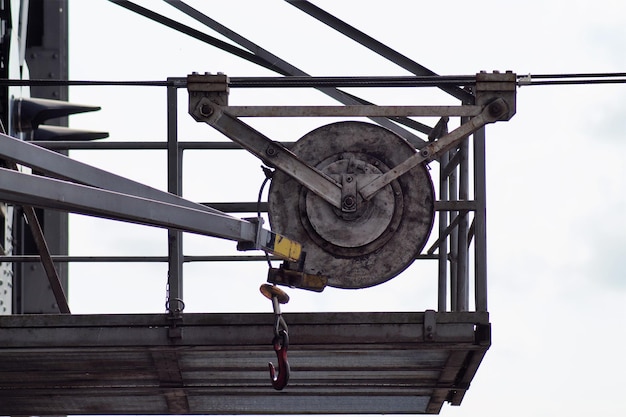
(556,177)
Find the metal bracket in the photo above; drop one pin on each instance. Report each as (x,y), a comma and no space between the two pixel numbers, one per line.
(430,326)
(495,94)
(496,85)
(175,331)
(214,86)
(297,279)
(483,334)
(271,242)
(348,193)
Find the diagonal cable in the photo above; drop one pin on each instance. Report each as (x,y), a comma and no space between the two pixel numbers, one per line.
(197,34)
(376,46)
(291,70)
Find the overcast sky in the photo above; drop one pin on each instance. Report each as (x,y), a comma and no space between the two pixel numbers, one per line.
(556,178)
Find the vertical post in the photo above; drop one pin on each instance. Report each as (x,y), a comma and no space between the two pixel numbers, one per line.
(442,262)
(46,56)
(463,262)
(174,186)
(480,222)
(454,236)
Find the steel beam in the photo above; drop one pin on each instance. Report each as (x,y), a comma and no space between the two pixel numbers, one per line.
(376,46)
(63,167)
(480,222)
(271,153)
(351,111)
(489,114)
(20,188)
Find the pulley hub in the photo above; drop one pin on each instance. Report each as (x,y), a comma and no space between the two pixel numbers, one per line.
(363,243)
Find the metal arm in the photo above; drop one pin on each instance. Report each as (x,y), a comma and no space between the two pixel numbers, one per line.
(103,194)
(491,113)
(271,153)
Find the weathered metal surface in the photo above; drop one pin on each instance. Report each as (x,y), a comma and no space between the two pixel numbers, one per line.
(380,237)
(351,111)
(121,199)
(270,152)
(340,363)
(433,150)
(56,165)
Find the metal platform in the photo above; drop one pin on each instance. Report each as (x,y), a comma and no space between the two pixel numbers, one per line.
(217,363)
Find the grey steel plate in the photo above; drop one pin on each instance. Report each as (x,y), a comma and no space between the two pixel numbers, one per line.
(340,363)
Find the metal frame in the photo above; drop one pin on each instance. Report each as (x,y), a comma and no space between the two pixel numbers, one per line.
(455,205)
(416,361)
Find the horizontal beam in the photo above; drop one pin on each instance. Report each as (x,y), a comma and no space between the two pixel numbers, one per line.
(142,146)
(253,207)
(352,111)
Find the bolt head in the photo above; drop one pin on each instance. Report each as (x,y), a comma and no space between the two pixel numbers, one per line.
(349,202)
(206,110)
(495,109)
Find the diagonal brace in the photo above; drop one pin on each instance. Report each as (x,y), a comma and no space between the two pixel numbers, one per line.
(491,113)
(270,152)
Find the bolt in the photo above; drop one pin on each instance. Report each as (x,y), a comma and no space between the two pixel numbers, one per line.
(271,151)
(425,153)
(348,178)
(349,202)
(206,110)
(495,109)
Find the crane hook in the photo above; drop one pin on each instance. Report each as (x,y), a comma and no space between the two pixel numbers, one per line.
(280,377)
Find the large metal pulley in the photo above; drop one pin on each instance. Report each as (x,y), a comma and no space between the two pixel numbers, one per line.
(365,242)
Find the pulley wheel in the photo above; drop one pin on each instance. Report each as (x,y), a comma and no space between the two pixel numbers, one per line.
(368,242)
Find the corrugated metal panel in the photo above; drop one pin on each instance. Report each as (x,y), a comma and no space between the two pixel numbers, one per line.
(340,363)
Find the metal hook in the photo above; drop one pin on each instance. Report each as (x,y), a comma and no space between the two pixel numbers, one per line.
(280,377)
